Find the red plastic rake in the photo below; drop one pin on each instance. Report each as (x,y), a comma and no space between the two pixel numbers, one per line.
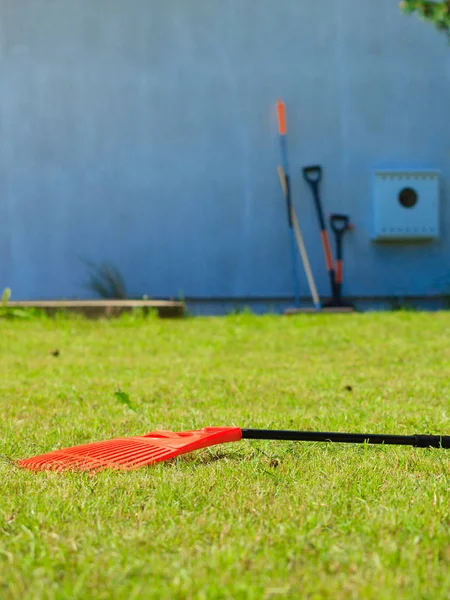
(134,452)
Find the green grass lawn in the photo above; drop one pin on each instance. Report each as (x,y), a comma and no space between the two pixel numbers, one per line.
(250,520)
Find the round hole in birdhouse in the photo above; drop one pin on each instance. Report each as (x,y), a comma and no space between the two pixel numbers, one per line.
(408,197)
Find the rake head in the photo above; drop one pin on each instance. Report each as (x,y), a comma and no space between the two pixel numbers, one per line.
(130,453)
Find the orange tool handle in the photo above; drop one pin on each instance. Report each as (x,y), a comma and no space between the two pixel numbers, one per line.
(281,113)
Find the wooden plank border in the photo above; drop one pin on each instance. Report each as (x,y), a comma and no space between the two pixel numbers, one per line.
(104,308)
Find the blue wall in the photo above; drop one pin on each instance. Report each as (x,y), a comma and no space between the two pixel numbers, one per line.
(143,132)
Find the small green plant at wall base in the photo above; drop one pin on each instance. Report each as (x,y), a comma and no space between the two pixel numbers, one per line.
(106,281)
(437,13)
(6,296)
(11,312)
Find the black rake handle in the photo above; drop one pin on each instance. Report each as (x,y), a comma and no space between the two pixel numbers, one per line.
(419,441)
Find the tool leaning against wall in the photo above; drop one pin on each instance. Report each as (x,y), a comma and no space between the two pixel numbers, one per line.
(294,227)
(340,224)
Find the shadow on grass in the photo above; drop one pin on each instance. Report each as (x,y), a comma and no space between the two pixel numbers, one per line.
(208,457)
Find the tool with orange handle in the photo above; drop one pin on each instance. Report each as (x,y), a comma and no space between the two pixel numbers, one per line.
(131,453)
(282,130)
(339,224)
(313,175)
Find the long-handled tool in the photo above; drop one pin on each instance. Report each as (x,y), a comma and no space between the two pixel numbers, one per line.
(339,224)
(282,130)
(139,451)
(313,175)
(300,243)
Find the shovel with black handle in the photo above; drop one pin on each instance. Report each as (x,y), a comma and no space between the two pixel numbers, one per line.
(313,176)
(339,224)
